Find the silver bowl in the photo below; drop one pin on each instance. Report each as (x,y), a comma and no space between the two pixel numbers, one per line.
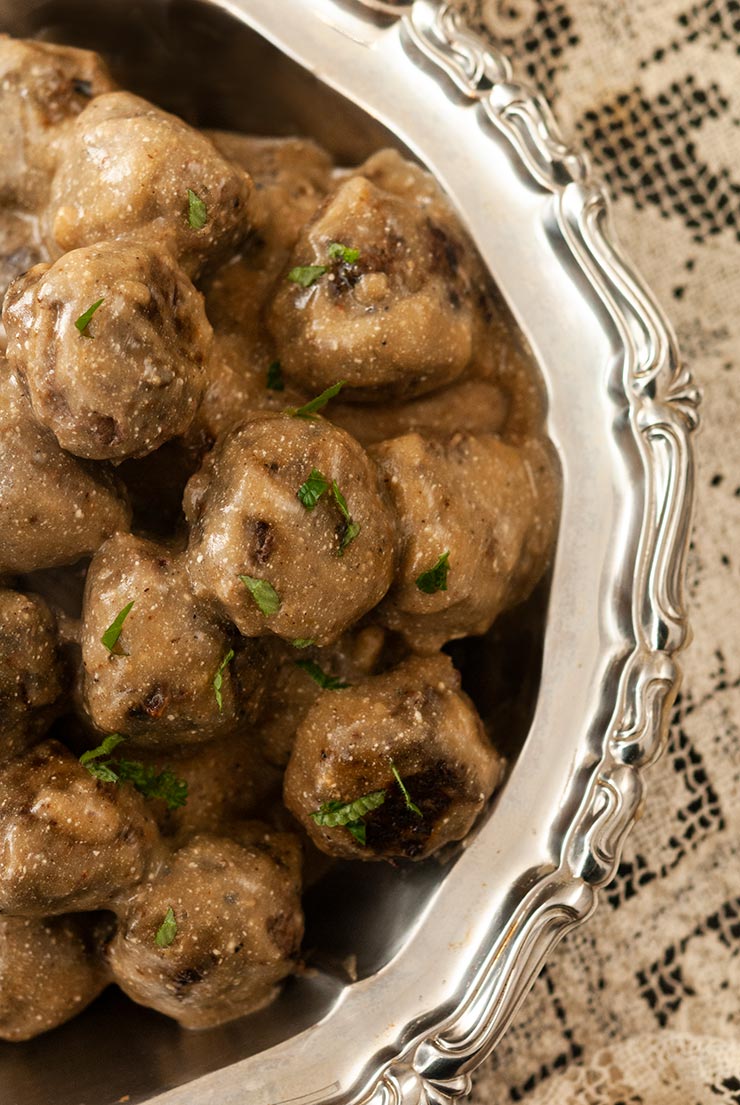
(444,954)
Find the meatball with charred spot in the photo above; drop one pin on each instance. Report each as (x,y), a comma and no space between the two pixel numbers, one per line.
(68,842)
(42,88)
(477,524)
(32,675)
(51,969)
(395,317)
(127,166)
(155,683)
(111,342)
(286,512)
(415,719)
(234,929)
(54,508)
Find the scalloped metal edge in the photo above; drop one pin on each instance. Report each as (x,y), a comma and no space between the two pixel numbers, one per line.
(663,411)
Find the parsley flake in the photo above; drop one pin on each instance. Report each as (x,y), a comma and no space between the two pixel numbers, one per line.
(145,778)
(275,380)
(302,642)
(306,275)
(350,815)
(83,321)
(167,931)
(311,491)
(351,528)
(339,252)
(308,410)
(113,632)
(406,796)
(435,579)
(197,212)
(317,673)
(218,679)
(263,593)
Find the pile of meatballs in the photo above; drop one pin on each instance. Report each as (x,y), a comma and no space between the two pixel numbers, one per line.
(268,443)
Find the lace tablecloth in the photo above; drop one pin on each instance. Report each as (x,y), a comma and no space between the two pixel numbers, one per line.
(642,1005)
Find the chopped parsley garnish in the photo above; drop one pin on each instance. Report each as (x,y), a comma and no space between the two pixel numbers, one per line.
(113,632)
(306,275)
(308,410)
(167,931)
(406,796)
(351,528)
(311,491)
(349,815)
(197,212)
(275,380)
(317,673)
(145,778)
(218,679)
(339,252)
(263,593)
(83,321)
(302,642)
(435,579)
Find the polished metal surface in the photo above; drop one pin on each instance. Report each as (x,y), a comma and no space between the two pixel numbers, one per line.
(445,953)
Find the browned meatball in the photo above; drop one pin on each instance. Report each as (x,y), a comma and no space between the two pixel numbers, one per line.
(32,676)
(50,969)
(396,321)
(42,87)
(237,926)
(486,510)
(290,176)
(54,508)
(68,842)
(156,682)
(414,718)
(132,377)
(274,564)
(129,167)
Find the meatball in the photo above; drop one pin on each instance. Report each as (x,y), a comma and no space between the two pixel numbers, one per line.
(291,177)
(234,932)
(279,564)
(120,381)
(477,521)
(396,318)
(129,167)
(415,719)
(19,247)
(68,841)
(50,969)
(156,681)
(42,87)
(478,406)
(32,676)
(54,508)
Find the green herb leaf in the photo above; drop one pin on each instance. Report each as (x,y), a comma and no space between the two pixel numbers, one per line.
(302,642)
(306,275)
(435,579)
(83,321)
(146,779)
(167,931)
(358,830)
(351,528)
(113,632)
(406,796)
(334,813)
(218,679)
(197,212)
(311,491)
(263,593)
(328,682)
(339,252)
(308,410)
(275,380)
